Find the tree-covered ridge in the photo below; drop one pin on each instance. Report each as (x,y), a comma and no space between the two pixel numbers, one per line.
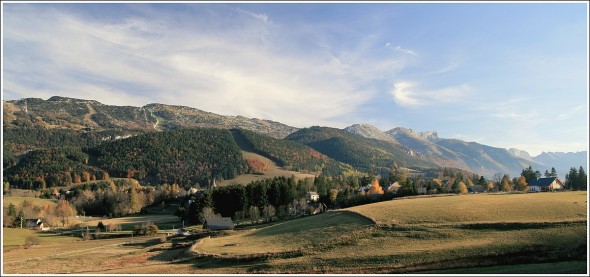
(362,153)
(18,141)
(52,167)
(187,157)
(288,154)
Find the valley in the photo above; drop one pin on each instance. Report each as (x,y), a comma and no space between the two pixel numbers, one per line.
(550,240)
(114,186)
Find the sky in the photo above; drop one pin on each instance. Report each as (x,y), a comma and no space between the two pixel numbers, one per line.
(510,75)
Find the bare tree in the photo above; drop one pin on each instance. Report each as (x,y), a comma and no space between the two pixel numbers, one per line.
(254,213)
(64,210)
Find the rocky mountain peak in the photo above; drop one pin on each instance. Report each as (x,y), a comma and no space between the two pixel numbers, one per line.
(399,131)
(520,153)
(368,131)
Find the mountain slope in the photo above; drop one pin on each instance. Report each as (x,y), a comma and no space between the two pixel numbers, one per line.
(288,154)
(562,162)
(471,156)
(78,114)
(362,153)
(369,131)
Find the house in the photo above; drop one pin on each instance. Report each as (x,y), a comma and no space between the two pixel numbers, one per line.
(183,232)
(313,196)
(364,189)
(393,188)
(34,223)
(476,189)
(545,184)
(224,223)
(192,191)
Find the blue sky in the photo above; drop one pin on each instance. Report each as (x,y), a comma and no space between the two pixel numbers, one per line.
(505,75)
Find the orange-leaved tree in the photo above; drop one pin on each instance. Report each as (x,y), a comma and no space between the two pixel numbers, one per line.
(375,188)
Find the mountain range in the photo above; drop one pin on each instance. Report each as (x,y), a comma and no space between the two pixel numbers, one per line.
(361,146)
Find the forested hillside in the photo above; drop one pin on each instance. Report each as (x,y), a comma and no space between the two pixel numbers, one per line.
(51,157)
(288,154)
(362,153)
(39,169)
(187,157)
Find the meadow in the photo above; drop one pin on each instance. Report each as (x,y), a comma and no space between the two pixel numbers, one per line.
(17,200)
(479,209)
(273,171)
(537,233)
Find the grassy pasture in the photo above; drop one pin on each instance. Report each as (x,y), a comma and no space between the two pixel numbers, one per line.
(274,171)
(421,234)
(344,242)
(127,222)
(16,237)
(286,236)
(73,257)
(17,201)
(479,208)
(568,267)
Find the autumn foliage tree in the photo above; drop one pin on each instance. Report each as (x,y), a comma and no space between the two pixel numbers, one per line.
(64,210)
(520,184)
(257,166)
(375,188)
(462,188)
(505,184)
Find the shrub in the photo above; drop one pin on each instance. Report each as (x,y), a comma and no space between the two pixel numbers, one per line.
(152,229)
(86,235)
(32,240)
(163,239)
(100,226)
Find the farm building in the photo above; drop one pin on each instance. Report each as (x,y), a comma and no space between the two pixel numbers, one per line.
(224,223)
(545,184)
(476,189)
(34,223)
(393,188)
(364,189)
(313,196)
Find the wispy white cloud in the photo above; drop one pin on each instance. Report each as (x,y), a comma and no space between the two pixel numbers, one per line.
(260,16)
(137,60)
(401,49)
(410,95)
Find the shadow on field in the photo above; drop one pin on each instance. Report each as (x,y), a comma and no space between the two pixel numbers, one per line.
(505,226)
(170,255)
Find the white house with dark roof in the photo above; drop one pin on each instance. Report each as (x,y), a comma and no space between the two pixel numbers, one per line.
(34,223)
(545,184)
(313,196)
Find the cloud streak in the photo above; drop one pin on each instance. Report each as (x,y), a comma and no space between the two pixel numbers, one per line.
(401,49)
(409,94)
(135,60)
